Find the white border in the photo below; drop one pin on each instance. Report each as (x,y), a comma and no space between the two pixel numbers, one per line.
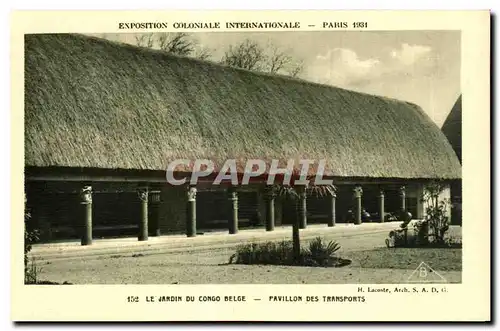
(149,4)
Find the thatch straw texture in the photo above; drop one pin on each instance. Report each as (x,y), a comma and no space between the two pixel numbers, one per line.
(452,127)
(99,104)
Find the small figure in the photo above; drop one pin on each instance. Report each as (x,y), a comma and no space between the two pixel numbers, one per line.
(391,240)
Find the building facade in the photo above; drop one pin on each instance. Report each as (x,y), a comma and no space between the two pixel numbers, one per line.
(103,120)
(452,128)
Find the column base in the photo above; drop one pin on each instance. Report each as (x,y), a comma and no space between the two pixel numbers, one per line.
(86,242)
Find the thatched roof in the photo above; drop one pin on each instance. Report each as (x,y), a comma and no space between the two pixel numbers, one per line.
(452,127)
(94,103)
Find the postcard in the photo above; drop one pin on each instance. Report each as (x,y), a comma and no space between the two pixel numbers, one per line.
(178,166)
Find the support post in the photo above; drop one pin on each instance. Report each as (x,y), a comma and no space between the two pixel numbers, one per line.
(143,224)
(302,207)
(332,215)
(358,192)
(402,194)
(191,212)
(233,213)
(296,231)
(86,224)
(382,206)
(154,212)
(270,210)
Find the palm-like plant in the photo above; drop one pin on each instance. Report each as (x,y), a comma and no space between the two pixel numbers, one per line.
(317,246)
(294,193)
(322,252)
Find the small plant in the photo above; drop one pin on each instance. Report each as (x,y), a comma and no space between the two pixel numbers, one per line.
(436,212)
(318,253)
(30,237)
(263,253)
(294,194)
(321,252)
(31,270)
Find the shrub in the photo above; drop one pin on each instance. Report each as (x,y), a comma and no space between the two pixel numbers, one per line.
(30,237)
(31,271)
(436,212)
(319,253)
(295,194)
(264,253)
(429,232)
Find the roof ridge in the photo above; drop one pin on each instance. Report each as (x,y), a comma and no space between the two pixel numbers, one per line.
(252,72)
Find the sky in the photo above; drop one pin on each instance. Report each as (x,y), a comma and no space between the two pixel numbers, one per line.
(422,67)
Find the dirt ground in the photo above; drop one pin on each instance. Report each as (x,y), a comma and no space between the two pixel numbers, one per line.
(210,267)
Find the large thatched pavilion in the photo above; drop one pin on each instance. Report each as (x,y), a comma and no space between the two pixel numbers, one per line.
(452,128)
(103,120)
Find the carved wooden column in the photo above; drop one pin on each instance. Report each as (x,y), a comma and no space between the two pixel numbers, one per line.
(302,207)
(86,223)
(358,193)
(233,212)
(191,212)
(270,196)
(143,224)
(332,215)
(402,194)
(295,228)
(382,206)
(154,212)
